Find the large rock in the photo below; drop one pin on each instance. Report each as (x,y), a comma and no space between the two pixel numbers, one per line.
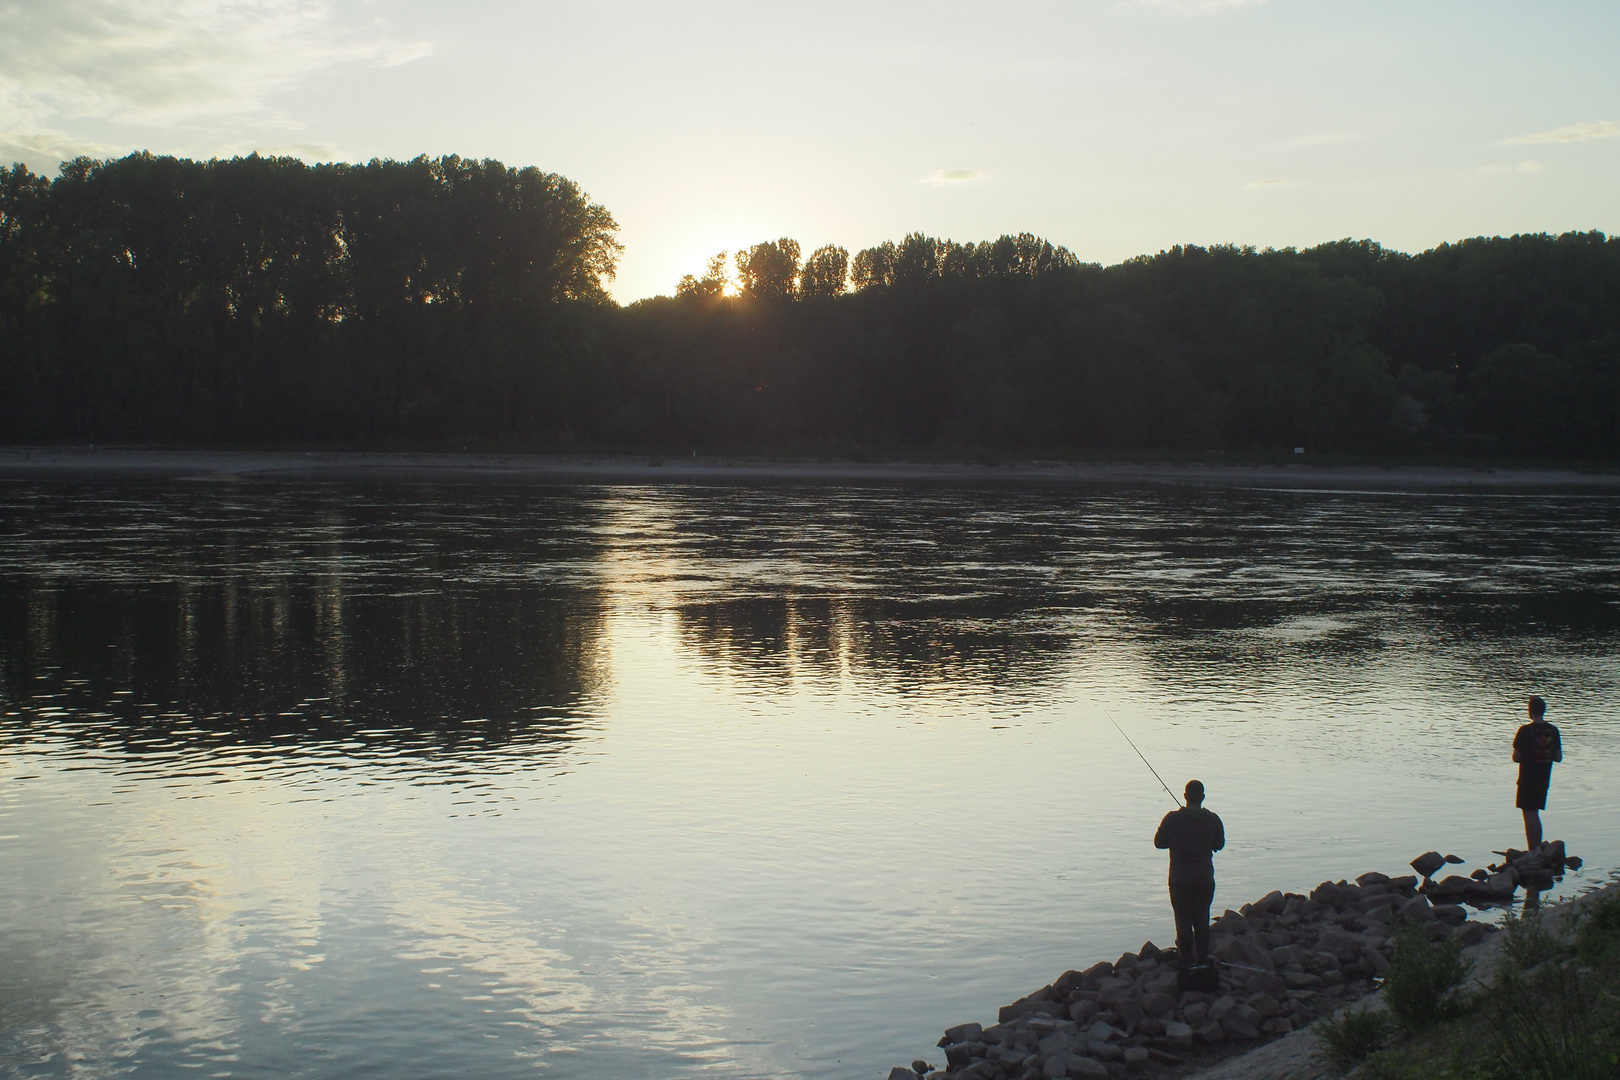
(1241,1023)
(1178,1036)
(1428,862)
(1271,904)
(1100,970)
(1211,1032)
(1020,1009)
(1340,944)
(1136,1058)
(1470,933)
(1102,1031)
(1085,1068)
(1451,914)
(900,1072)
(1265,1005)
(1082,1011)
(962,1033)
(1372,877)
(1103,1052)
(1416,908)
(957,1055)
(1244,950)
(1158,1003)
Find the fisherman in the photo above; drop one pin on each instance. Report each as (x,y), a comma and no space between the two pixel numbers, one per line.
(1536,746)
(1192,835)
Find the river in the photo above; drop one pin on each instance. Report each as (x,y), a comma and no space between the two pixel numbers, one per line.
(408,779)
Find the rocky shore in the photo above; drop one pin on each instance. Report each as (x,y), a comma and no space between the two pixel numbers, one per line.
(1286,960)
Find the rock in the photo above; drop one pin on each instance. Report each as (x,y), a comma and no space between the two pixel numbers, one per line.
(980,1070)
(1372,877)
(1302,980)
(1104,1052)
(1454,860)
(1067,982)
(1470,933)
(962,1033)
(1244,950)
(1164,1057)
(1378,914)
(1451,914)
(1097,971)
(1211,1033)
(1265,1005)
(1102,1031)
(1030,1008)
(1082,1011)
(1221,1006)
(1054,1042)
(957,1055)
(1427,863)
(1277,1025)
(920,1067)
(1341,946)
(1238,1025)
(1136,1058)
(1375,961)
(1272,903)
(1129,1011)
(1158,1003)
(1085,1068)
(1178,1036)
(1480,875)
(1264,982)
(1416,908)
(900,1072)
(1196,1012)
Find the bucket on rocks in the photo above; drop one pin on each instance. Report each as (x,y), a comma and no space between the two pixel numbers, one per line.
(1204,976)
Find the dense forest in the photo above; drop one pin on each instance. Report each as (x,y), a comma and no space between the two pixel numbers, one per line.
(430,302)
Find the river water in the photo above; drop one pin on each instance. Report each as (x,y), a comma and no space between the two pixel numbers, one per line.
(413,780)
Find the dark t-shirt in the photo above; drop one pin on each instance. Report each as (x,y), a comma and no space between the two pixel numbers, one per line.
(1537,746)
(1193,837)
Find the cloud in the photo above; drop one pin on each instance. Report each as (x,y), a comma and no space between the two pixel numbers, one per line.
(1255,184)
(955,176)
(166,63)
(1602,129)
(1523,166)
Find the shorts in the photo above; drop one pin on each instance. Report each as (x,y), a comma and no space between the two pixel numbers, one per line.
(1533,791)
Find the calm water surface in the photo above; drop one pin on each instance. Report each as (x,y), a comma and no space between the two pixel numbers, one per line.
(315,780)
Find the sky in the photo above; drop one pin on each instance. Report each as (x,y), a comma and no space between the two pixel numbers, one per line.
(1114,127)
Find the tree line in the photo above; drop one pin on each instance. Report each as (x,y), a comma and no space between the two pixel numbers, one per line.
(256,299)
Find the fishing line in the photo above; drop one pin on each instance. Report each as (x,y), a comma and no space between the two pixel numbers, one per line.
(1145,761)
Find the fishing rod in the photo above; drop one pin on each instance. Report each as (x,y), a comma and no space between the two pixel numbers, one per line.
(1145,761)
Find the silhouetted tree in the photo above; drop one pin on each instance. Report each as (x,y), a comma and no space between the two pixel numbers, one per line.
(824,272)
(768,269)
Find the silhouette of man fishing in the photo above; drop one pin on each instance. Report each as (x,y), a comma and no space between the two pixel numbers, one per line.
(1192,835)
(1536,746)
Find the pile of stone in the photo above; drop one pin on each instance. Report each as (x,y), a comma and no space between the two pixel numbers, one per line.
(1287,959)
(1536,871)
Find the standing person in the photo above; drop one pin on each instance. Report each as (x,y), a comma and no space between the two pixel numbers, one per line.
(1535,747)
(1192,835)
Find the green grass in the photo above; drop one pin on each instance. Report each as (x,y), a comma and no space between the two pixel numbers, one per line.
(1550,1012)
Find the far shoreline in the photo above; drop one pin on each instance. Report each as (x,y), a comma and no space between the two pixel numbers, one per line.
(98,462)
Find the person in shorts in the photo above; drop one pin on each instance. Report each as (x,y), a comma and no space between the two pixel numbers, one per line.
(1535,747)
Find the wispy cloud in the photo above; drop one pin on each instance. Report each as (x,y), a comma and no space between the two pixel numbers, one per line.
(1523,166)
(1258,184)
(1601,129)
(955,176)
(165,63)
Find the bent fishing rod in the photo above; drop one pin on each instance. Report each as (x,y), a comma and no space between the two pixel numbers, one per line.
(1145,761)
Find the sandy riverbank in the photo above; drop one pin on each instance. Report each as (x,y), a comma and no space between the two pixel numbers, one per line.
(41,462)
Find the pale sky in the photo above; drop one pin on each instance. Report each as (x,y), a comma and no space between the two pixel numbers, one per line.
(1114,127)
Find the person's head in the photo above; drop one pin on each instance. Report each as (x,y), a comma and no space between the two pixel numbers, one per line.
(1538,708)
(1195,793)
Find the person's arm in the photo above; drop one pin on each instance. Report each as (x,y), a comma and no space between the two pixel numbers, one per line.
(1161,839)
(1518,738)
(1219,839)
(1558,746)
